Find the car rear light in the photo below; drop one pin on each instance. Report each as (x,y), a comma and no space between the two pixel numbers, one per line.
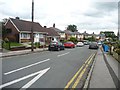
(56,43)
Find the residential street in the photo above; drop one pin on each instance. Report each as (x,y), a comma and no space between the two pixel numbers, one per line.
(48,69)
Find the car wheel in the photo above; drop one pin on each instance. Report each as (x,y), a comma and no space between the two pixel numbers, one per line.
(58,49)
(48,49)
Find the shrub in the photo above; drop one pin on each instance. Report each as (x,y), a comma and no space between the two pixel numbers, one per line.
(117,51)
(74,40)
(117,47)
(37,44)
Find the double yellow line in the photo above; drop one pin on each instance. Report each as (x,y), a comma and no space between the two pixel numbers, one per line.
(79,73)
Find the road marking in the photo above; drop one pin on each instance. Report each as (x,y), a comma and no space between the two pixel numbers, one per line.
(25,67)
(35,79)
(63,54)
(70,82)
(40,73)
(81,74)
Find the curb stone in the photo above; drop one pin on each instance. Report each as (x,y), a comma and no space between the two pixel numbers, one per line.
(28,52)
(87,82)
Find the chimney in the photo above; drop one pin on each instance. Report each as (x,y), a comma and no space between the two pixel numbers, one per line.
(17,18)
(45,26)
(54,25)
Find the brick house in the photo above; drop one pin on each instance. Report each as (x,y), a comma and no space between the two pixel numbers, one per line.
(21,30)
(60,32)
(76,35)
(51,34)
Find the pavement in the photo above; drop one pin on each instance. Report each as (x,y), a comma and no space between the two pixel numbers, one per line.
(103,74)
(20,52)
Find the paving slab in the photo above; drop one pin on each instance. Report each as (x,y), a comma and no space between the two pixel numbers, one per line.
(101,77)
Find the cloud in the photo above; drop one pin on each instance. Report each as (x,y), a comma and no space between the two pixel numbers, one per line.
(106,6)
(86,14)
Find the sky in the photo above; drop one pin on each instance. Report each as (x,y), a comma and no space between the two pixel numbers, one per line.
(88,15)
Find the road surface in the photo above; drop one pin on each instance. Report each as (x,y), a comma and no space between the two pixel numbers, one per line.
(48,69)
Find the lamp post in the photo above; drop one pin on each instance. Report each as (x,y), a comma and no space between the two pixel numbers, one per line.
(32,47)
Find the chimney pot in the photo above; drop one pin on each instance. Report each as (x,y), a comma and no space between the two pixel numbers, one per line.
(45,26)
(54,25)
(17,18)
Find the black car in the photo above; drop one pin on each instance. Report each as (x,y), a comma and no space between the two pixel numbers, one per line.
(93,45)
(56,46)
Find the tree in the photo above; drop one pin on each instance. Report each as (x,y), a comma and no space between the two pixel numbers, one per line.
(109,34)
(72,28)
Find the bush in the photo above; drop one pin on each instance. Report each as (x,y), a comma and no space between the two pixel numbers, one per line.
(117,47)
(37,44)
(117,51)
(74,40)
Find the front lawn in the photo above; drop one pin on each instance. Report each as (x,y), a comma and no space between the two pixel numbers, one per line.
(8,45)
(15,44)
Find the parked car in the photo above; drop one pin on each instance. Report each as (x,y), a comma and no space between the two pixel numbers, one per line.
(80,44)
(93,45)
(55,45)
(69,44)
(86,42)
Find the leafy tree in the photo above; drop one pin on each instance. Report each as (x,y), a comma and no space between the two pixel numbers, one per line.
(72,28)
(109,34)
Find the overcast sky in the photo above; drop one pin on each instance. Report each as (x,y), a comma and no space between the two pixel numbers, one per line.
(88,15)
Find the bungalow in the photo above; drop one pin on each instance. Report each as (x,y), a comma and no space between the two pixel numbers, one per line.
(60,32)
(20,30)
(76,35)
(68,34)
(51,35)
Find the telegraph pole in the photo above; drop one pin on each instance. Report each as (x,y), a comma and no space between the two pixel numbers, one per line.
(32,38)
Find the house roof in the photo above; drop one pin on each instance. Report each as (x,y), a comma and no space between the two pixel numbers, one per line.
(56,29)
(76,33)
(23,25)
(68,32)
(51,32)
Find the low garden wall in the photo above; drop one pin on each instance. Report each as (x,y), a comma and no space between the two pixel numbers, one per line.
(15,48)
(116,56)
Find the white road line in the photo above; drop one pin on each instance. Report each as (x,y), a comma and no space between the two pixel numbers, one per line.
(25,67)
(40,73)
(34,79)
(62,54)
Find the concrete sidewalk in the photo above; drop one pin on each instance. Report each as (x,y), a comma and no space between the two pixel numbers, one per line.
(105,72)
(21,52)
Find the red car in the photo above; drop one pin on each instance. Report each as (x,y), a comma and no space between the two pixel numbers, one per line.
(69,44)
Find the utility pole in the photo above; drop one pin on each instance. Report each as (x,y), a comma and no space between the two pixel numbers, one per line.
(32,46)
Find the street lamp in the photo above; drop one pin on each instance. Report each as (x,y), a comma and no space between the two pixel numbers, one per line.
(32,47)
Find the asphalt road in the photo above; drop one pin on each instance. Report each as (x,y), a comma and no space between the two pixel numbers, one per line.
(48,69)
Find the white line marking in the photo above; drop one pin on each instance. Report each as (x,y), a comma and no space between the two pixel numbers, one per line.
(41,72)
(62,54)
(25,67)
(34,79)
